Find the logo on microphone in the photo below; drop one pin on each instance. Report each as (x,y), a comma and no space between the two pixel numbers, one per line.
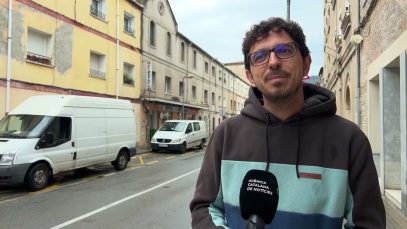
(256,185)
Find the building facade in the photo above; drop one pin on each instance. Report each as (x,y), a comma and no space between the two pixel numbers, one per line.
(180,80)
(366,67)
(70,47)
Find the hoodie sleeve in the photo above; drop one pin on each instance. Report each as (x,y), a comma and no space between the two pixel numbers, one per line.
(207,204)
(367,209)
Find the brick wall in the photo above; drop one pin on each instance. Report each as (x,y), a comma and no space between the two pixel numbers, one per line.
(386,23)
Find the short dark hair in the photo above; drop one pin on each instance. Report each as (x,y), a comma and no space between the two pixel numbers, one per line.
(273,24)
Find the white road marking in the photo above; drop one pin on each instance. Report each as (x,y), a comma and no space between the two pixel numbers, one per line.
(122,200)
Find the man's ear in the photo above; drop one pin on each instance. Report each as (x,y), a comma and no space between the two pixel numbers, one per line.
(307,65)
(249,77)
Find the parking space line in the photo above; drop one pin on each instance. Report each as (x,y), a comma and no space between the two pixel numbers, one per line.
(140,158)
(152,162)
(48,189)
(169,158)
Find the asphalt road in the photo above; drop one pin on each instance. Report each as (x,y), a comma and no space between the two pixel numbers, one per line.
(154,192)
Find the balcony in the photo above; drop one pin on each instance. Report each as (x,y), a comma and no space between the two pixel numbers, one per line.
(97,74)
(35,58)
(345,24)
(95,12)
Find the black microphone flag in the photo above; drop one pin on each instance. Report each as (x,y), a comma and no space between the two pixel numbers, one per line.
(259,195)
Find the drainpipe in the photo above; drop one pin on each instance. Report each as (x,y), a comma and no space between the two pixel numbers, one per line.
(357,92)
(8,71)
(117,48)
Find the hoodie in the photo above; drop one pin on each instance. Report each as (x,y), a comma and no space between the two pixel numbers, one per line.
(323,164)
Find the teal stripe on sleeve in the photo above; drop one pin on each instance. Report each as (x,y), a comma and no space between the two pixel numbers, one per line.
(325,196)
(216,210)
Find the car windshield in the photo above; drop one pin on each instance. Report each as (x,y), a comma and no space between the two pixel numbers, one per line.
(173,126)
(23,126)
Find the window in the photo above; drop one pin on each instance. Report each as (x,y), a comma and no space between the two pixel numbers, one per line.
(167,85)
(97,65)
(39,47)
(194,59)
(181,89)
(153,81)
(219,100)
(97,9)
(193,92)
(128,74)
(152,33)
(57,133)
(128,23)
(196,126)
(189,128)
(213,71)
(206,96)
(213,98)
(206,67)
(220,75)
(168,44)
(182,51)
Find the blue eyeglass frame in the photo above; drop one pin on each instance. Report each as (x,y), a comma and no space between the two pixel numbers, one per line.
(269,50)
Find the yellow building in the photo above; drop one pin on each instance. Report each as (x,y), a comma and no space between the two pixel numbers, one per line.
(70,47)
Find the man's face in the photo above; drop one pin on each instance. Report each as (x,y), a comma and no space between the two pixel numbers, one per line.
(278,79)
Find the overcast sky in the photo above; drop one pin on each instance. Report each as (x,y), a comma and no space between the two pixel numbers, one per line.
(218,26)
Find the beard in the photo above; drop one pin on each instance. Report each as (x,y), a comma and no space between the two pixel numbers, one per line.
(279,92)
(281,95)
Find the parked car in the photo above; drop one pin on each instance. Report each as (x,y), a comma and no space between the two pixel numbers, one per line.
(46,135)
(179,135)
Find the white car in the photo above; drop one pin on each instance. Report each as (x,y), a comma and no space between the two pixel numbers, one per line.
(179,135)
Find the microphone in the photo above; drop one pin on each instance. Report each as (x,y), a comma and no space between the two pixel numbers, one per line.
(258,198)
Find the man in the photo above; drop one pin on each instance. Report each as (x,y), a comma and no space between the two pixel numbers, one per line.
(323,163)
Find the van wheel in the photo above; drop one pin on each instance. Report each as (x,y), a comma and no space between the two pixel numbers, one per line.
(121,161)
(183,147)
(201,145)
(37,177)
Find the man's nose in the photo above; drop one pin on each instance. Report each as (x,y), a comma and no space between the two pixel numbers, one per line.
(274,60)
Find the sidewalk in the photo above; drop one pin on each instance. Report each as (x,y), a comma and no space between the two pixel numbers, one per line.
(394,217)
(142,150)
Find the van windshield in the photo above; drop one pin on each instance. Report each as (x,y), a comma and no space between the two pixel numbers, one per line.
(23,126)
(173,126)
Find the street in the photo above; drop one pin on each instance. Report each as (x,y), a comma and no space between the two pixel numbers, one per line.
(153,192)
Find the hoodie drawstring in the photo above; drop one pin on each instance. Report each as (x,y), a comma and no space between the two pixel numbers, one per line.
(267,139)
(298,145)
(298,148)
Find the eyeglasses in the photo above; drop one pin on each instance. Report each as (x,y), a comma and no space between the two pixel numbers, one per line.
(282,51)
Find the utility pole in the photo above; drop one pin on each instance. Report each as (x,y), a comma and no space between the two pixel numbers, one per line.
(288,9)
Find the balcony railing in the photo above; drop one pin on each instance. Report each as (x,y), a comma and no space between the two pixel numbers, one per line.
(129,30)
(345,24)
(97,73)
(39,58)
(95,12)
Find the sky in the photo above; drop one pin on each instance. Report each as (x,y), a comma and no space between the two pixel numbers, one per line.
(218,26)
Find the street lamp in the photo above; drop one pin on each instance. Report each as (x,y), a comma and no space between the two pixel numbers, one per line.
(183,95)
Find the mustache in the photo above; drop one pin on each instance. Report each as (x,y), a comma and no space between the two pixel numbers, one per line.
(278,72)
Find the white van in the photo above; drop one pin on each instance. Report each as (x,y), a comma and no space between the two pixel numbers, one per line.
(49,134)
(179,135)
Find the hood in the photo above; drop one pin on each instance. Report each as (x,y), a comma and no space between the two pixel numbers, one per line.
(16,144)
(317,101)
(168,134)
